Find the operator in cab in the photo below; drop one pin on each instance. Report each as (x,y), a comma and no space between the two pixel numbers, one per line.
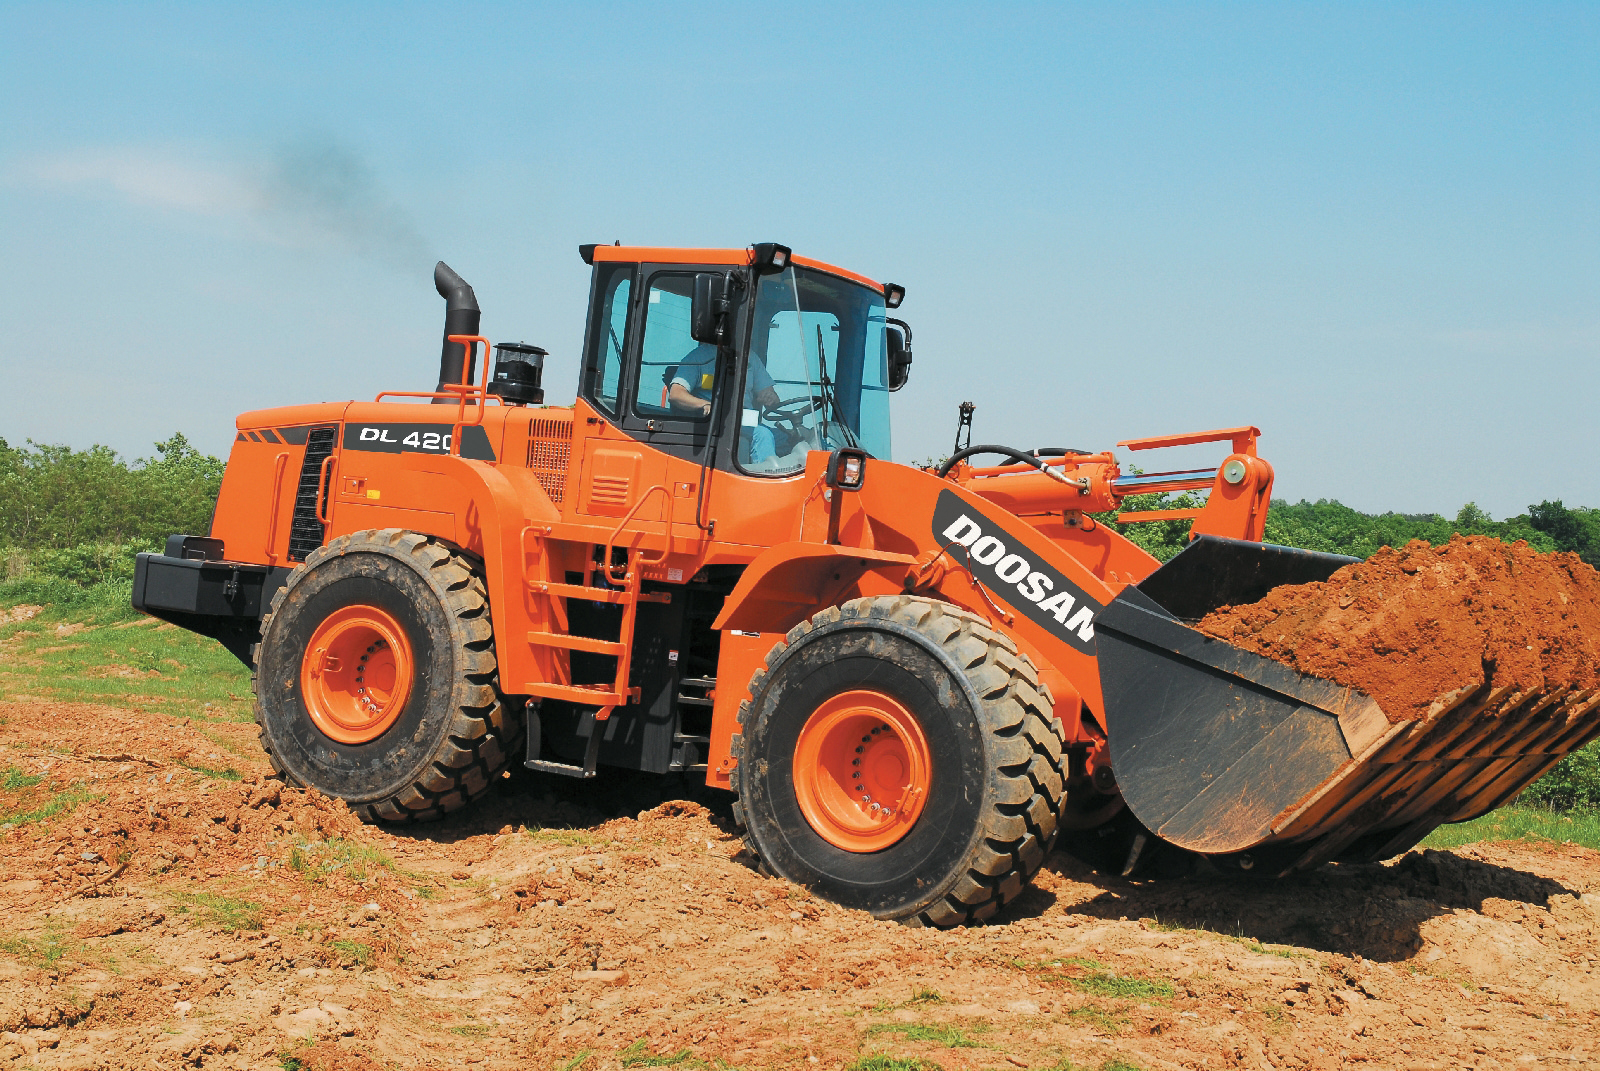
(690,392)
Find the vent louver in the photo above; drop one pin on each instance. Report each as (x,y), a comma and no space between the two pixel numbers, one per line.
(306,533)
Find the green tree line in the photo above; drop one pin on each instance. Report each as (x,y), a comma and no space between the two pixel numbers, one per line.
(1331,526)
(81,515)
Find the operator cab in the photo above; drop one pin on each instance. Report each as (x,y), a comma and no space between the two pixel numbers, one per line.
(761,362)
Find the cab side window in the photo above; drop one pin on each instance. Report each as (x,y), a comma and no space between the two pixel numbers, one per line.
(608,335)
(675,372)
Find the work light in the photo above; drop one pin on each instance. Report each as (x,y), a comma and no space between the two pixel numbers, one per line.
(770,258)
(847,469)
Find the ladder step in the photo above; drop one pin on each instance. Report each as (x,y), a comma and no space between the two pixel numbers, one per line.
(584,695)
(564,769)
(580,591)
(576,643)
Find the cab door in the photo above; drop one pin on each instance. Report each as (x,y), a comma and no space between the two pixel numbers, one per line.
(664,351)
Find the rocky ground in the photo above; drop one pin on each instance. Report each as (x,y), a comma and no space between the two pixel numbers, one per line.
(166,905)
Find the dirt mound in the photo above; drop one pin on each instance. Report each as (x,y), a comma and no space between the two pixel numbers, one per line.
(1407,626)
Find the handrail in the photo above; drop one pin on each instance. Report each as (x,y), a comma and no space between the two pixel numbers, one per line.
(611,539)
(325,489)
(479,393)
(465,389)
(272,514)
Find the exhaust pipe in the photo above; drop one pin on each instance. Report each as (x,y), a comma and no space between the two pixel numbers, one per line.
(461,316)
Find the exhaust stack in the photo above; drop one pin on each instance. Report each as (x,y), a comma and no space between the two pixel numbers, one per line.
(461,316)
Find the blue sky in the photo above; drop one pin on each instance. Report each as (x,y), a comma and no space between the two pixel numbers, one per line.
(1373,230)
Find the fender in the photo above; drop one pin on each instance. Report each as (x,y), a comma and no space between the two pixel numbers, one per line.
(789,582)
(491,525)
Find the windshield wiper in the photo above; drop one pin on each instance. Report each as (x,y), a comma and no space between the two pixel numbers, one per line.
(826,386)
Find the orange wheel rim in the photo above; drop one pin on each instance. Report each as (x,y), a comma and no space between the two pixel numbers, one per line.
(356,674)
(862,771)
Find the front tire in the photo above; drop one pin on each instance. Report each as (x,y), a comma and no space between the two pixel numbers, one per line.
(375,678)
(898,756)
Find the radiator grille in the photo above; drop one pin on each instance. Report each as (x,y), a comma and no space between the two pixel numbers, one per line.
(305,531)
(550,455)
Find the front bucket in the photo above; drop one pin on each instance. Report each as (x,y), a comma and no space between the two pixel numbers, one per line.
(1219,750)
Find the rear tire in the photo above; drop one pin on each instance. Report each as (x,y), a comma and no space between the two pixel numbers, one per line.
(981,745)
(445,732)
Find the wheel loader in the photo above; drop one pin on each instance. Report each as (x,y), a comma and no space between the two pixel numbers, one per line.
(912,679)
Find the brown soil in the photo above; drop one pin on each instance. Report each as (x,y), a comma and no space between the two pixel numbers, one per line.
(174,920)
(1408,626)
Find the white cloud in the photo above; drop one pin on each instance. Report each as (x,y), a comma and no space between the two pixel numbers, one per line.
(146,178)
(313,193)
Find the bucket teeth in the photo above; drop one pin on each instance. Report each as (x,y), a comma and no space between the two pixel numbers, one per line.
(1219,750)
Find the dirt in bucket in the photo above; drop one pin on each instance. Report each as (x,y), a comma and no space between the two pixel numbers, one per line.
(1410,625)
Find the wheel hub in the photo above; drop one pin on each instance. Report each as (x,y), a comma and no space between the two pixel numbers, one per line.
(356,674)
(861,771)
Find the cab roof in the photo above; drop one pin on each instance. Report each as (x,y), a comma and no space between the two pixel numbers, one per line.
(642,254)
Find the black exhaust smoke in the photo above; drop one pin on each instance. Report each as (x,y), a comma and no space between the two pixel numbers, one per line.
(461,316)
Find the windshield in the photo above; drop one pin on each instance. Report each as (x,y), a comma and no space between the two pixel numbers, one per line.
(817,378)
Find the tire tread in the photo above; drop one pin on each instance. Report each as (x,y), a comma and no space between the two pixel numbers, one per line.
(483,732)
(1019,827)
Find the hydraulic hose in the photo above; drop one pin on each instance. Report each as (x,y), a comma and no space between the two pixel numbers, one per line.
(1034,458)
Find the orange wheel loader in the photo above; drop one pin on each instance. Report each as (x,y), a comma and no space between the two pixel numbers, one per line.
(911,679)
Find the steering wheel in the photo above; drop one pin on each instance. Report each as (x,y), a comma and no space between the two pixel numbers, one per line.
(793,411)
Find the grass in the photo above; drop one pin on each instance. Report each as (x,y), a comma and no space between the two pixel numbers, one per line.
(15,779)
(471,1030)
(227,774)
(880,1061)
(639,1055)
(66,800)
(1092,977)
(567,838)
(918,996)
(951,1037)
(1250,943)
(1521,823)
(1106,984)
(44,951)
(1098,1018)
(163,668)
(354,954)
(577,1061)
(227,913)
(1268,950)
(317,860)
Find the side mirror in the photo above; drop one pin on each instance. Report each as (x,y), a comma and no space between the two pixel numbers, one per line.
(898,335)
(708,308)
